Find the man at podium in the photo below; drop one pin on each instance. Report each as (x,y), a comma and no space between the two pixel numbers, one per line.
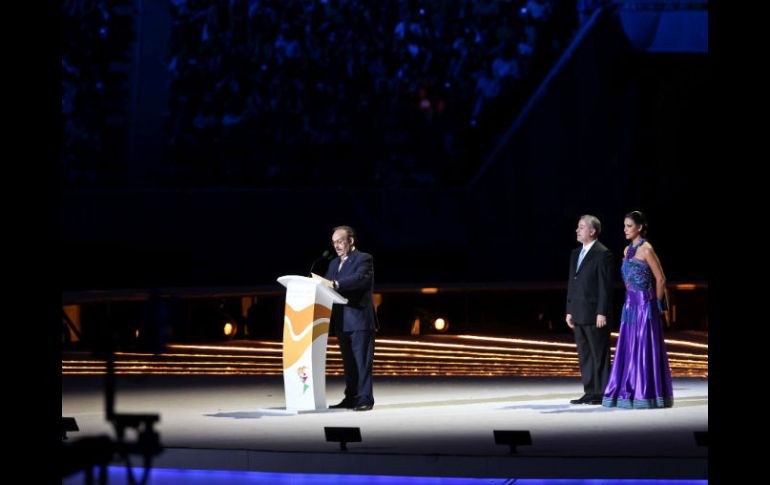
(352,274)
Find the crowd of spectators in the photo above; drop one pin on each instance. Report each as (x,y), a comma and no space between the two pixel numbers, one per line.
(352,92)
(381,93)
(96,37)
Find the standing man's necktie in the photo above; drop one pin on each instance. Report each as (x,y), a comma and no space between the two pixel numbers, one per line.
(580,258)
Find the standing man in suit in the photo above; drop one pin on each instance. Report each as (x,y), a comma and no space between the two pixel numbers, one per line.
(589,298)
(352,274)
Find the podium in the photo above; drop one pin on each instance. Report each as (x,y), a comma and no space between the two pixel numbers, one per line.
(306,320)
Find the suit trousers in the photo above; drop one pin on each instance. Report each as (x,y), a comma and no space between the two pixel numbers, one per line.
(593,347)
(357,348)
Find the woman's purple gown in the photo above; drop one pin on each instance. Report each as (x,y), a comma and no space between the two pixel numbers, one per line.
(640,377)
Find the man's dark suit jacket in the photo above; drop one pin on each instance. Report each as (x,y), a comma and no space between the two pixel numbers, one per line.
(589,291)
(356,282)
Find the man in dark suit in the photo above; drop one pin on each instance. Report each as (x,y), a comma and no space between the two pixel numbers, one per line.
(352,275)
(589,299)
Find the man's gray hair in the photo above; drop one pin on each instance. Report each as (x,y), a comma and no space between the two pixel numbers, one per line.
(351,232)
(594,222)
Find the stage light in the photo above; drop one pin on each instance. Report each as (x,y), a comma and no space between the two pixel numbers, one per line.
(440,325)
(415,330)
(229,329)
(343,436)
(68,424)
(701,438)
(512,438)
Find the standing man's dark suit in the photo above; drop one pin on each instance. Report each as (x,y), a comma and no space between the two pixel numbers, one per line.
(589,300)
(355,322)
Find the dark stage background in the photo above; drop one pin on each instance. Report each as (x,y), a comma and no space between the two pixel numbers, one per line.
(597,125)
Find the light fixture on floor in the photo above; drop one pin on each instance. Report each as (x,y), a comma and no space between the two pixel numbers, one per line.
(68,424)
(343,436)
(512,438)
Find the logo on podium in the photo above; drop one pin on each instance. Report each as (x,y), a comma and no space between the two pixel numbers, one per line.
(303,376)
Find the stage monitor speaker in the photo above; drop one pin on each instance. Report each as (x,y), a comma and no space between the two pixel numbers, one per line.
(512,438)
(68,424)
(343,436)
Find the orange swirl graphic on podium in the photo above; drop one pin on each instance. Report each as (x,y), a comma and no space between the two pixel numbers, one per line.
(301,328)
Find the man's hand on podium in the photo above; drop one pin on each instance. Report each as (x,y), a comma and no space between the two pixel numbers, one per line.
(322,280)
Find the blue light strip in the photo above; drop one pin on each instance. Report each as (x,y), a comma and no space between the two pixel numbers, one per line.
(165,476)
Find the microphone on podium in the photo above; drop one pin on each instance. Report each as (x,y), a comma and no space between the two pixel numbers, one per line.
(327,255)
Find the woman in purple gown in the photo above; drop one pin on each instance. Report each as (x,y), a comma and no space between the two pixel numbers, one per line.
(640,377)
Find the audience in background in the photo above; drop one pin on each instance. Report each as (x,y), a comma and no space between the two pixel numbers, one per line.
(407,93)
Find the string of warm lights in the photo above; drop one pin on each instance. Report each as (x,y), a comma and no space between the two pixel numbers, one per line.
(449,356)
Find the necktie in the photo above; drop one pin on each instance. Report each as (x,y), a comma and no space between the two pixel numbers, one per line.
(582,255)
(342,261)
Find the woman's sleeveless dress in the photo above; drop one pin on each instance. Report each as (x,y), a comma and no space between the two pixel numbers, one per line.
(640,377)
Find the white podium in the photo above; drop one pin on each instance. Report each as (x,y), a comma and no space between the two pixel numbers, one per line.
(306,320)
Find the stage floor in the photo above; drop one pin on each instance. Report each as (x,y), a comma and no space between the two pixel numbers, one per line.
(420,426)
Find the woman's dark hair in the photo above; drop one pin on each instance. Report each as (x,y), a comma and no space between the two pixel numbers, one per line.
(639,220)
